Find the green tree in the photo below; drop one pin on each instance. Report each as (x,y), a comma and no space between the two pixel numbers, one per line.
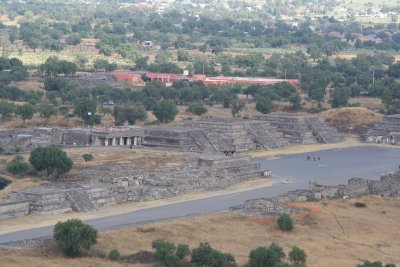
(85,108)
(165,111)
(46,111)
(73,236)
(264,105)
(197,108)
(50,159)
(340,97)
(130,114)
(6,109)
(295,101)
(387,97)
(236,106)
(205,255)
(182,55)
(17,165)
(285,223)
(26,112)
(297,257)
(266,257)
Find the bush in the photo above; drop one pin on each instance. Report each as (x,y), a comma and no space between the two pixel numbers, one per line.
(87,157)
(285,223)
(167,254)
(182,251)
(266,257)
(197,108)
(375,264)
(17,166)
(73,235)
(205,255)
(297,257)
(164,252)
(114,255)
(360,205)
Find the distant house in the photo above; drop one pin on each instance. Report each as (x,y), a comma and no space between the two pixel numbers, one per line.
(127,76)
(108,103)
(146,44)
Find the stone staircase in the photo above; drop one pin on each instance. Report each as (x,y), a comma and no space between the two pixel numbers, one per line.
(202,141)
(80,201)
(262,136)
(324,133)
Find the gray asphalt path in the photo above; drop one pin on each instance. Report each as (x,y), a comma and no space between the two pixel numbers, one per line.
(334,167)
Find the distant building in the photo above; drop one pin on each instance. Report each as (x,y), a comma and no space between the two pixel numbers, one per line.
(146,44)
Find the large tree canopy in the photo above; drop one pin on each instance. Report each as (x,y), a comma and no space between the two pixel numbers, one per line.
(50,159)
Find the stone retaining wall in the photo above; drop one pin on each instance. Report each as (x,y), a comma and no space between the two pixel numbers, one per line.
(115,183)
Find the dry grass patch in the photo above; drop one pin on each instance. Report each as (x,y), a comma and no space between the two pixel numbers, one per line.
(351,119)
(339,235)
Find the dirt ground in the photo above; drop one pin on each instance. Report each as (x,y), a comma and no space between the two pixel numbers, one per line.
(338,235)
(352,119)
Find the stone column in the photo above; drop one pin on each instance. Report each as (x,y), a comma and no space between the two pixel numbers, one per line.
(113,141)
(105,141)
(135,141)
(128,141)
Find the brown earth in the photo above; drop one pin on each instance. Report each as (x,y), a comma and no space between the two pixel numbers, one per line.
(339,235)
(351,119)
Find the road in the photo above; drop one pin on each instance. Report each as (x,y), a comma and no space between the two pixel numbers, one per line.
(334,167)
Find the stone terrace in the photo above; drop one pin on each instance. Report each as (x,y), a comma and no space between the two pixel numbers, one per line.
(386,131)
(211,136)
(115,183)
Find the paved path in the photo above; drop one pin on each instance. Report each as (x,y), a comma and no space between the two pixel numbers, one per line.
(334,167)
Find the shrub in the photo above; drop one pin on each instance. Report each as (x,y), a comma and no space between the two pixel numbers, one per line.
(73,235)
(164,252)
(266,257)
(205,255)
(182,251)
(114,255)
(197,108)
(375,264)
(360,205)
(297,257)
(285,223)
(17,166)
(87,156)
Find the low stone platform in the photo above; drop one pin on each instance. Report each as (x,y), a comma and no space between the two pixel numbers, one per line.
(388,185)
(386,131)
(115,183)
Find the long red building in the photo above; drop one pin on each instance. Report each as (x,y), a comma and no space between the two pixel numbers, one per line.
(135,77)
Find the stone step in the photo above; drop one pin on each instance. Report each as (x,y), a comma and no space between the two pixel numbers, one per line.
(80,201)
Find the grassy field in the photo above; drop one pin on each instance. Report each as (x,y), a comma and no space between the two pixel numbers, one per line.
(339,235)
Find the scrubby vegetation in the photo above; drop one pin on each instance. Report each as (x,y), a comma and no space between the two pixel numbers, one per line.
(73,236)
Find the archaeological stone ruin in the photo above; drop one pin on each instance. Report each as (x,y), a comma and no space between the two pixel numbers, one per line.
(210,168)
(388,185)
(109,184)
(386,131)
(211,136)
